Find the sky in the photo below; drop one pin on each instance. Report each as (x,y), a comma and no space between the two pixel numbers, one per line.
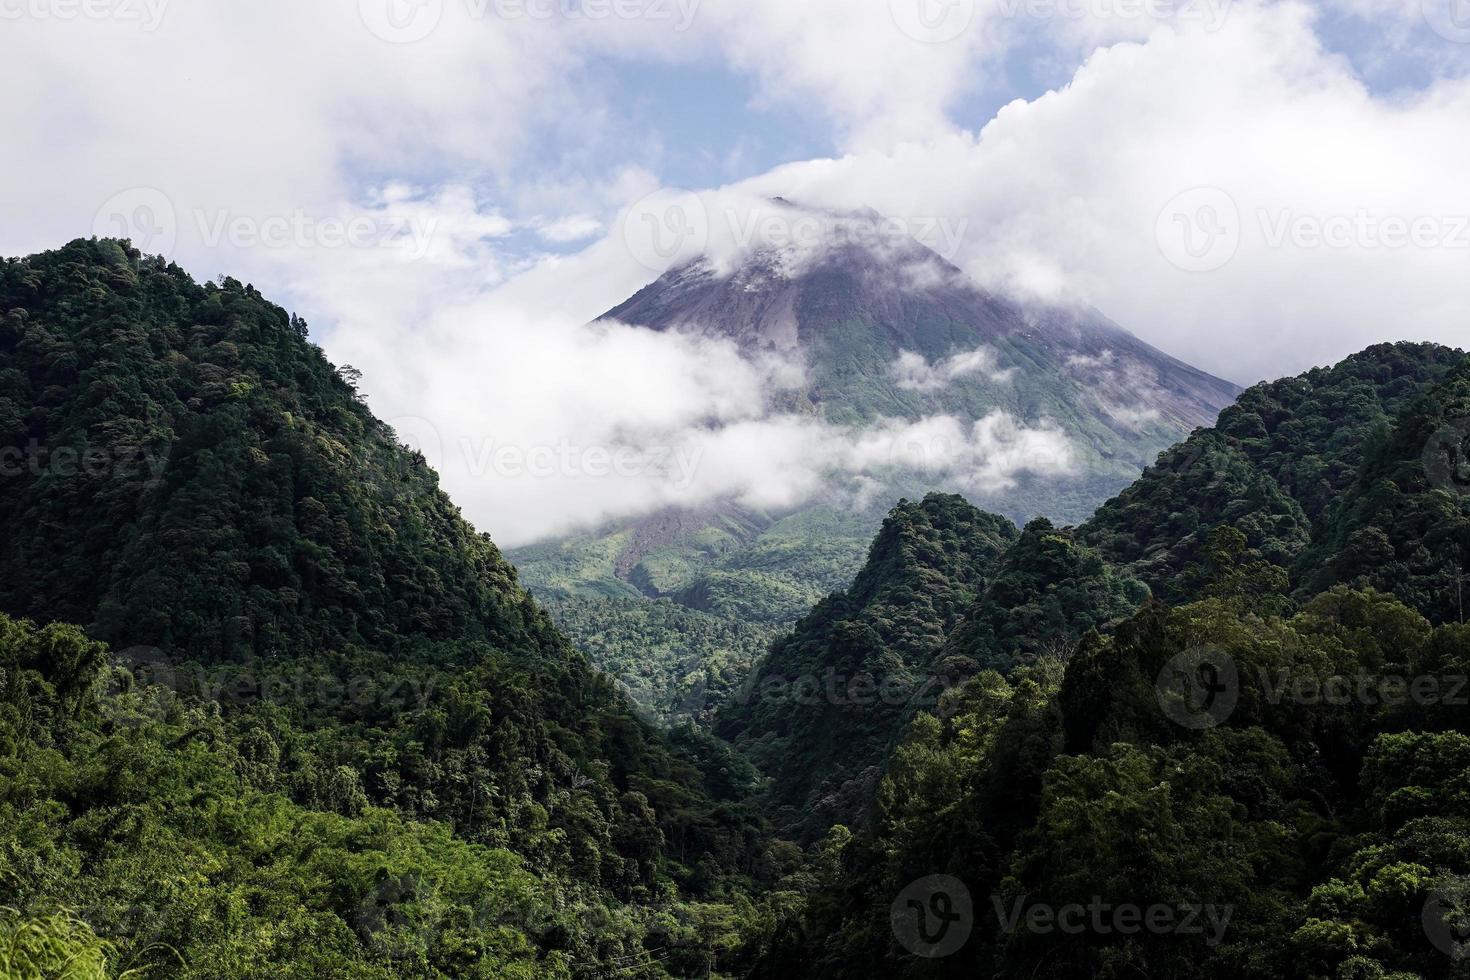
(449,190)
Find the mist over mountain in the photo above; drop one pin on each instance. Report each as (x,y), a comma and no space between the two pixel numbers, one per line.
(891,374)
(853,299)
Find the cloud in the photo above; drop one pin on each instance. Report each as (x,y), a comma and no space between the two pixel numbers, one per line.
(1249,139)
(573,228)
(1228,187)
(913,372)
(1086,361)
(543,426)
(852,58)
(260,108)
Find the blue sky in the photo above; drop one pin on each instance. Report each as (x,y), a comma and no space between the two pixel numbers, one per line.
(698,122)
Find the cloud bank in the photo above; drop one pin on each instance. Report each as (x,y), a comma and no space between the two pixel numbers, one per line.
(1234,182)
(567,425)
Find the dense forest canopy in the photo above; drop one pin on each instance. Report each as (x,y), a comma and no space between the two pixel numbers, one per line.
(309,645)
(1262,760)
(270,706)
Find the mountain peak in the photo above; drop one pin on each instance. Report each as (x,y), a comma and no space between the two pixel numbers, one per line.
(853,293)
(785,265)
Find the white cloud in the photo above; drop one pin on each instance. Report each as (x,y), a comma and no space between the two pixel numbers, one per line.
(260,108)
(271,110)
(851,57)
(913,372)
(1085,361)
(540,426)
(573,228)
(1064,194)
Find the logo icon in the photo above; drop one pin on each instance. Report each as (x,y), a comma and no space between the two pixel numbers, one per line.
(933,21)
(421,437)
(1200,459)
(1199,231)
(1447,458)
(1450,19)
(1446,918)
(1199,688)
(692,695)
(386,911)
(664,227)
(145,672)
(143,214)
(932,917)
(401,21)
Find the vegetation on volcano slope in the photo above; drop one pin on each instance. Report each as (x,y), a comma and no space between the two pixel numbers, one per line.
(676,664)
(768,571)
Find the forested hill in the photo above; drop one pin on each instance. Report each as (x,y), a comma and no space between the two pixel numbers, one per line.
(827,705)
(1273,746)
(337,738)
(1404,524)
(1273,467)
(1045,593)
(1280,501)
(948,592)
(334,737)
(194,475)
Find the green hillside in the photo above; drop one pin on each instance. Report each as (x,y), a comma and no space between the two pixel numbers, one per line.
(1258,779)
(270,707)
(675,664)
(1273,467)
(823,709)
(333,735)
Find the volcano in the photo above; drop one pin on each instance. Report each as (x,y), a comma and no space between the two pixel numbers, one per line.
(882,329)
